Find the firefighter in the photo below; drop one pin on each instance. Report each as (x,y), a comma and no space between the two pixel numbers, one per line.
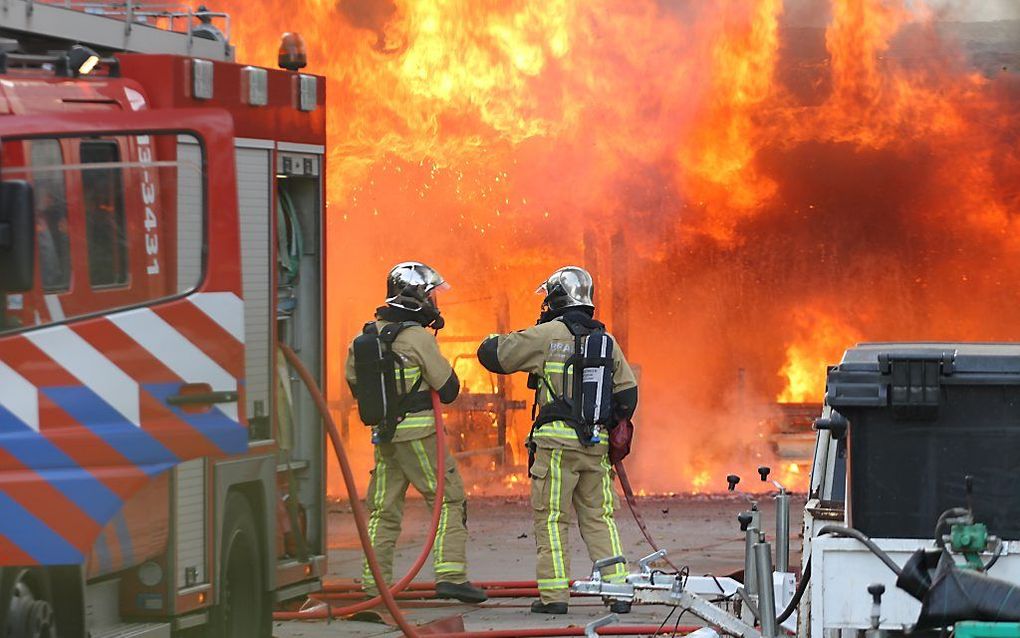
(390,369)
(205,28)
(567,446)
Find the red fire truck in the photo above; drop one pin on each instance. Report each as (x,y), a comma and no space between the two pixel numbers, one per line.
(161,230)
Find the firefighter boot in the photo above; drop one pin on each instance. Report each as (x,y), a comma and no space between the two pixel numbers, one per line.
(538,607)
(464,592)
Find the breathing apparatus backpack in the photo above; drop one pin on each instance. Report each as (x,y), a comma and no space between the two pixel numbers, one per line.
(384,398)
(588,407)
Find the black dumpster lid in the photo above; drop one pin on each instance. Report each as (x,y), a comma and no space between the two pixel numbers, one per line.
(960,358)
(907,376)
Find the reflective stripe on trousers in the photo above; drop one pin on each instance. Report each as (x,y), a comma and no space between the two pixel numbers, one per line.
(398,466)
(565,478)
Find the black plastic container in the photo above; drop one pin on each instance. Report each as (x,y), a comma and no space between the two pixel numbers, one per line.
(923,416)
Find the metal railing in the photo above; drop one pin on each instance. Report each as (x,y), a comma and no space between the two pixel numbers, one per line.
(169,16)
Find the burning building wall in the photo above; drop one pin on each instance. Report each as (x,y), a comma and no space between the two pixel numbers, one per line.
(756,184)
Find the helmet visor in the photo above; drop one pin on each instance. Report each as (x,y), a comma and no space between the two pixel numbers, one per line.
(434,294)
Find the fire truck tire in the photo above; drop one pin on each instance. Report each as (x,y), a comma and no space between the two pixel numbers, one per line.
(244,609)
(28,610)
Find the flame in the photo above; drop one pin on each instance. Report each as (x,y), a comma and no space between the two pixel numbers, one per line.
(822,339)
(717,159)
(755,185)
(791,477)
(700,481)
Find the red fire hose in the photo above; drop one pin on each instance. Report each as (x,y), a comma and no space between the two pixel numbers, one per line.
(430,540)
(545,632)
(356,506)
(628,492)
(429,594)
(347,586)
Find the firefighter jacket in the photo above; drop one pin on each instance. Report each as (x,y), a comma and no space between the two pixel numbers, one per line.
(419,353)
(542,350)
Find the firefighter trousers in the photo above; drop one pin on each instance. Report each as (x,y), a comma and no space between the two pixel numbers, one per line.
(561,478)
(398,466)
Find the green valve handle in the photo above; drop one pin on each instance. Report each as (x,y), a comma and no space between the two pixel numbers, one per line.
(970,540)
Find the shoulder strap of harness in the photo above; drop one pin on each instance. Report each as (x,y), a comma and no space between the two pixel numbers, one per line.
(580,330)
(390,331)
(387,336)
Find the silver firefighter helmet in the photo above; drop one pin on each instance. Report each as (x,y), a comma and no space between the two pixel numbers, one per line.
(412,285)
(569,286)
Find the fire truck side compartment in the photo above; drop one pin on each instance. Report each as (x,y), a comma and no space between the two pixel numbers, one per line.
(190,523)
(299,174)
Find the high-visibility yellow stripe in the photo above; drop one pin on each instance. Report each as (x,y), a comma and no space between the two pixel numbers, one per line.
(553,583)
(430,478)
(559,429)
(607,517)
(423,461)
(422,421)
(411,376)
(551,368)
(441,537)
(449,568)
(552,521)
(426,469)
(378,499)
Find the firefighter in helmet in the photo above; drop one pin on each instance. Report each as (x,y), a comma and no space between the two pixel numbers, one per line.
(583,386)
(391,368)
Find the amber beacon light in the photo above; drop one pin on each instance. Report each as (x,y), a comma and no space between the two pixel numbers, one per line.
(292,52)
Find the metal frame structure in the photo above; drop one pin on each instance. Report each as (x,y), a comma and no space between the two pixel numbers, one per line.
(120,26)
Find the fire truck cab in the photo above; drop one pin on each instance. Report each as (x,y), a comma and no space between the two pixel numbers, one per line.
(161,230)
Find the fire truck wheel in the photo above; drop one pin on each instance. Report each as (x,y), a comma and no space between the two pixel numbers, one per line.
(243,610)
(28,612)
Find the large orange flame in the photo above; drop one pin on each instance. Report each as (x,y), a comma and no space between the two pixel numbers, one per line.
(755,185)
(717,157)
(819,340)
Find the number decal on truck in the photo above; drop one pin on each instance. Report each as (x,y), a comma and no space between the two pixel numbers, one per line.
(148,190)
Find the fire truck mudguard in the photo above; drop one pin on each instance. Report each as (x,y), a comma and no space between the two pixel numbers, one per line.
(86,416)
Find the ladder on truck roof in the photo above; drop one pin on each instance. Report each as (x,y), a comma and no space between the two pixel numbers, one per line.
(133,26)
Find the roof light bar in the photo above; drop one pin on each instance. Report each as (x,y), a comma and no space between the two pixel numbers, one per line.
(81,60)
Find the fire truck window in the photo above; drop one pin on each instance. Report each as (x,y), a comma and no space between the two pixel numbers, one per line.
(51,215)
(120,222)
(103,200)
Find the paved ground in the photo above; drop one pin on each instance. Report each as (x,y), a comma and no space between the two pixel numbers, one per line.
(699,531)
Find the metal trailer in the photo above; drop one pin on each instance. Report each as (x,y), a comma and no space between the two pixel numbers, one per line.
(160,470)
(951,404)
